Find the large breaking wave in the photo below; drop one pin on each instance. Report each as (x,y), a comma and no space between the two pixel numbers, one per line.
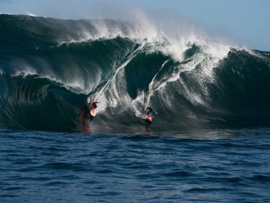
(50,68)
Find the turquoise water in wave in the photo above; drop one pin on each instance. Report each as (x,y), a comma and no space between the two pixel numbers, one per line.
(202,166)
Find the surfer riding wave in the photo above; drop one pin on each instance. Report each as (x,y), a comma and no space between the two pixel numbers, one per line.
(87,114)
(149,114)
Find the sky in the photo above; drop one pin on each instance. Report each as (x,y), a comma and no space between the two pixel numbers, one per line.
(244,22)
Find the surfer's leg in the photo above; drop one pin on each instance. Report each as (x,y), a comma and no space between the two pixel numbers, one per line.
(148,122)
(91,117)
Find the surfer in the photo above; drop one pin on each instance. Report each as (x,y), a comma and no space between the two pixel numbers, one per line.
(149,114)
(87,114)
(89,110)
(92,109)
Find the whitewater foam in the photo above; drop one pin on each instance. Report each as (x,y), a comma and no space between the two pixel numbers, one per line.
(24,73)
(111,87)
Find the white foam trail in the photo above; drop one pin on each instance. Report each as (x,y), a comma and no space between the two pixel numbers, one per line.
(114,98)
(151,86)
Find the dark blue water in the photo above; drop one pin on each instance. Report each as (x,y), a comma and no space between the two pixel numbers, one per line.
(202,166)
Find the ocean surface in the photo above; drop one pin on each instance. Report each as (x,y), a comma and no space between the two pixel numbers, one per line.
(202,166)
(209,141)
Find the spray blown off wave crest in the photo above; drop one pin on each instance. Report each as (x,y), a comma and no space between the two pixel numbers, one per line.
(50,68)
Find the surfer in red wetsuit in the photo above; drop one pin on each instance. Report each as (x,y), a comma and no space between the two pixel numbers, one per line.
(149,114)
(92,109)
(87,113)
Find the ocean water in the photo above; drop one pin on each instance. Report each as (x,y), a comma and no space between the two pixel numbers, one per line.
(202,166)
(209,141)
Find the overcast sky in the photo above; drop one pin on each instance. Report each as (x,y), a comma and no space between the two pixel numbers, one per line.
(245,22)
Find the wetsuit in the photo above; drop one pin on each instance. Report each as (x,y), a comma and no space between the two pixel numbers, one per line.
(92,106)
(149,112)
(85,111)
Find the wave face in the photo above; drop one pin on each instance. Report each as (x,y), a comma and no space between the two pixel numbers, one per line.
(50,68)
